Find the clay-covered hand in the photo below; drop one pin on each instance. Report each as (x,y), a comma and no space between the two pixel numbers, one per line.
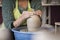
(23,17)
(38,12)
(26,14)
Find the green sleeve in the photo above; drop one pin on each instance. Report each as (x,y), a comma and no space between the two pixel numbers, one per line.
(7,12)
(36,4)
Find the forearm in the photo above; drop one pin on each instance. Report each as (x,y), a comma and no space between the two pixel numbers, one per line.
(22,18)
(18,22)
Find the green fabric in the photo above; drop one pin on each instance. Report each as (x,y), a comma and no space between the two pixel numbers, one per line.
(7,10)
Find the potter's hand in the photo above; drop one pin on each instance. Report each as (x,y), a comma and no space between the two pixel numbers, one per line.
(38,12)
(23,17)
(27,14)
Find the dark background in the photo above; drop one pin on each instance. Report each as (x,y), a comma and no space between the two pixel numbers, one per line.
(55,14)
(1,15)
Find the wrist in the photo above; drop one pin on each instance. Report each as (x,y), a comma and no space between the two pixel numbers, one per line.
(23,18)
(14,24)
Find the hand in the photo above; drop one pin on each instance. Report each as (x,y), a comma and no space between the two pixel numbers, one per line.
(27,14)
(24,16)
(38,12)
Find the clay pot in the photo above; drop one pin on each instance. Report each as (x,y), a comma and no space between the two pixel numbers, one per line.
(33,23)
